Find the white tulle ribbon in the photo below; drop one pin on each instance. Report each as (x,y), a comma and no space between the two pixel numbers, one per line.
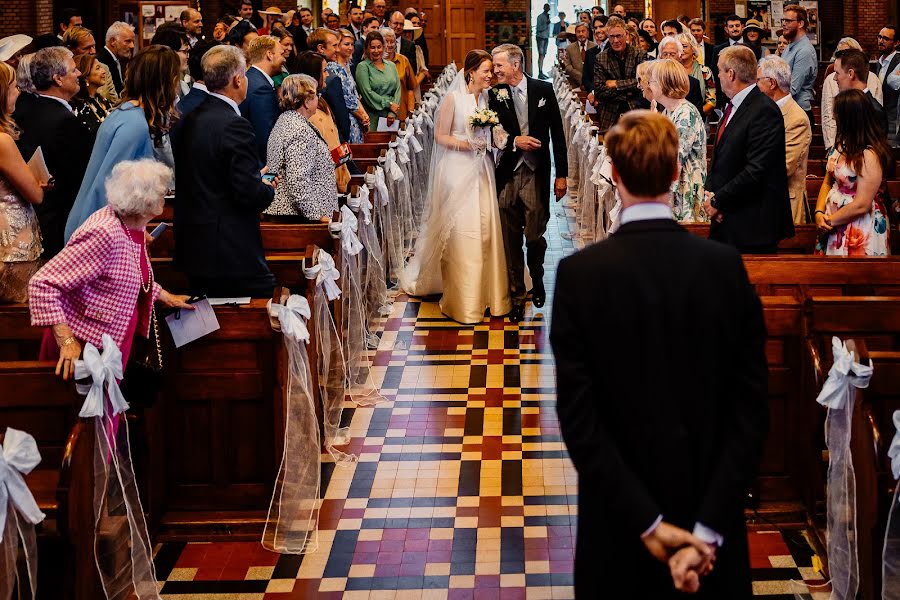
(894,448)
(413,139)
(381,186)
(326,275)
(403,148)
(19,456)
(890,567)
(349,228)
(105,371)
(361,203)
(844,373)
(394,172)
(292,316)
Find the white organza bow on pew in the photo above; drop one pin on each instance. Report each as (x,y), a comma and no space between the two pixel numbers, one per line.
(331,366)
(838,396)
(292,523)
(890,573)
(19,513)
(118,512)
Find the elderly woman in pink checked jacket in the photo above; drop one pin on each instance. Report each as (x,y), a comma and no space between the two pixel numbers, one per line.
(102,282)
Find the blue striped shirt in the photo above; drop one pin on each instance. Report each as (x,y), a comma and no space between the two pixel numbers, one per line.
(800,55)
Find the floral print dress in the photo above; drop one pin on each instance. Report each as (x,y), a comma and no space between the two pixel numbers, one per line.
(351,98)
(688,190)
(867,235)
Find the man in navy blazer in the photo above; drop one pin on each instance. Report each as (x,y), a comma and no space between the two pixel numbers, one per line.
(261,105)
(198,92)
(220,192)
(325,42)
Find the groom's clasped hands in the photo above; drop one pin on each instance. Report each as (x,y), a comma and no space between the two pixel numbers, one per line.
(688,557)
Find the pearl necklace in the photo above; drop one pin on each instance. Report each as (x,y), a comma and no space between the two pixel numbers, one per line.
(136,254)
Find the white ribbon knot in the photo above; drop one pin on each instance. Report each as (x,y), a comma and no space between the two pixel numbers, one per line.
(845,372)
(18,457)
(361,202)
(393,169)
(326,274)
(104,370)
(349,227)
(416,146)
(894,448)
(292,315)
(381,186)
(403,149)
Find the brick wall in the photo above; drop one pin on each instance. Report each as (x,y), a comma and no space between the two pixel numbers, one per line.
(26,16)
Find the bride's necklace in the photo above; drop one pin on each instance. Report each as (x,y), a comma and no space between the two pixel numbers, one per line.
(136,254)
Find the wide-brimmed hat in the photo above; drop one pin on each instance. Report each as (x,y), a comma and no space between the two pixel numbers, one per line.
(753,24)
(408,26)
(272,11)
(12,45)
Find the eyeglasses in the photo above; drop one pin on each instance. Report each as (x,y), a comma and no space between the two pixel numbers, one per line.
(616,36)
(789,21)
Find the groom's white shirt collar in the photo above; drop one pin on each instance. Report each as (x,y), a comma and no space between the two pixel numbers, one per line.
(645,211)
(523,86)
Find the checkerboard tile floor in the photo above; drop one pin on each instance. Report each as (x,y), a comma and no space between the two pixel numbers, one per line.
(462,490)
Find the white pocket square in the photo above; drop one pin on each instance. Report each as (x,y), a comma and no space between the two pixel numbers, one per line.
(542,102)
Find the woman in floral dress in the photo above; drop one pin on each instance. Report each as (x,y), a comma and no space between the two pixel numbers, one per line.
(340,67)
(669,86)
(850,214)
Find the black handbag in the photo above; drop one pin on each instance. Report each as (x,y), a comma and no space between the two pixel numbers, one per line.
(142,381)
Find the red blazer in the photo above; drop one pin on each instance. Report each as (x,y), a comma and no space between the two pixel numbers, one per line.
(93,284)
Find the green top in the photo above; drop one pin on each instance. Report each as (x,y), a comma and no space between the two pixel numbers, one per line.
(378,89)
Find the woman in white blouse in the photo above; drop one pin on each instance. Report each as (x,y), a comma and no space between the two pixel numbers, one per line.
(307,191)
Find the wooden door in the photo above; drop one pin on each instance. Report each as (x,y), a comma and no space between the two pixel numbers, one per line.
(434,33)
(669,9)
(463,28)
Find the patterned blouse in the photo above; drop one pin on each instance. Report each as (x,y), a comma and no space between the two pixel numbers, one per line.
(20,234)
(301,157)
(704,75)
(351,98)
(92,112)
(689,189)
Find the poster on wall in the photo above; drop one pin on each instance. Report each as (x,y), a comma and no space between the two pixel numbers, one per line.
(761,10)
(154,14)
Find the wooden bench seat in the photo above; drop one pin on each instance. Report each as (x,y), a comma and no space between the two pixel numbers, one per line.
(363,151)
(287,268)
(805,276)
(802,242)
(277,238)
(379,137)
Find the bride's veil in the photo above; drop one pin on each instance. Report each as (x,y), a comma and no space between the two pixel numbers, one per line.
(451,177)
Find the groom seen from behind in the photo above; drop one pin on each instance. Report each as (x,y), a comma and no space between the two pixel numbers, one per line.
(658,453)
(529,113)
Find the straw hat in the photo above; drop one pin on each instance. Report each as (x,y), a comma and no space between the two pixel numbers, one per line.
(272,11)
(408,26)
(12,45)
(753,24)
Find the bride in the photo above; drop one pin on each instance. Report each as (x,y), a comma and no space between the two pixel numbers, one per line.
(460,250)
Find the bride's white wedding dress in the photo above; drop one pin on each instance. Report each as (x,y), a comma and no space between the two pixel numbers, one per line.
(460,250)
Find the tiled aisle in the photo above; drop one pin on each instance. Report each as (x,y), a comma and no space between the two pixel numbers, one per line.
(462,489)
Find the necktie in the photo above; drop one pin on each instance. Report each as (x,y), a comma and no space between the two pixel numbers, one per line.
(582,53)
(724,122)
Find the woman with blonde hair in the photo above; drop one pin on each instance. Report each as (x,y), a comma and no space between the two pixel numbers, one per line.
(669,85)
(642,74)
(701,73)
(20,234)
(340,67)
(297,152)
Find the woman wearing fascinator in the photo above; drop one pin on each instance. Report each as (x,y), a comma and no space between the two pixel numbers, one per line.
(460,252)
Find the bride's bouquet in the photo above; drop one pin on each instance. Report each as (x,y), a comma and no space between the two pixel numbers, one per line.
(484,121)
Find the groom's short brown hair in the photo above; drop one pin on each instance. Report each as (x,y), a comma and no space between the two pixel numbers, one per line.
(643,147)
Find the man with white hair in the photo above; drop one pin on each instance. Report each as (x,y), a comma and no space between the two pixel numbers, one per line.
(773,78)
(529,113)
(747,189)
(118,48)
(51,126)
(220,192)
(672,48)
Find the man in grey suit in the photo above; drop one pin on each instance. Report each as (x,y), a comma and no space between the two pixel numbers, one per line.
(574,57)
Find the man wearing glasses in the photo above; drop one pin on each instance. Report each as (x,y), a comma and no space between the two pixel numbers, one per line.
(888,64)
(615,89)
(800,55)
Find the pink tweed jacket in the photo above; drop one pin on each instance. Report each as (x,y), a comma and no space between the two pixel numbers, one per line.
(94,284)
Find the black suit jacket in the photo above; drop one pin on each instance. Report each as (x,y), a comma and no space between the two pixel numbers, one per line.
(748,175)
(260,107)
(645,438)
(66,145)
(544,123)
(217,203)
(408,49)
(106,57)
(890,95)
(191,100)
(423,44)
(587,71)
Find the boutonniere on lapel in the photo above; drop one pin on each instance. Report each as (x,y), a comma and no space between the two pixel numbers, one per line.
(542,102)
(502,94)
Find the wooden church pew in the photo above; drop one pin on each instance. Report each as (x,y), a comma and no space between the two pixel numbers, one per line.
(804,276)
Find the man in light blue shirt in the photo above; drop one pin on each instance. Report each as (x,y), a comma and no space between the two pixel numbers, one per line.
(800,55)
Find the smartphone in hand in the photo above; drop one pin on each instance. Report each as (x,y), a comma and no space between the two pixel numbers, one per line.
(269,178)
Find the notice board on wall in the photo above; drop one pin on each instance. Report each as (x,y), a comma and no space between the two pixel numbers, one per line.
(150,15)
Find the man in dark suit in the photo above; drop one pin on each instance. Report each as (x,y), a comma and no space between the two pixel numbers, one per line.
(888,62)
(705,49)
(302,31)
(529,113)
(404,46)
(590,56)
(851,72)
(680,454)
(751,207)
(734,29)
(370,24)
(49,124)
(198,92)
(325,42)
(615,88)
(117,51)
(220,192)
(261,105)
